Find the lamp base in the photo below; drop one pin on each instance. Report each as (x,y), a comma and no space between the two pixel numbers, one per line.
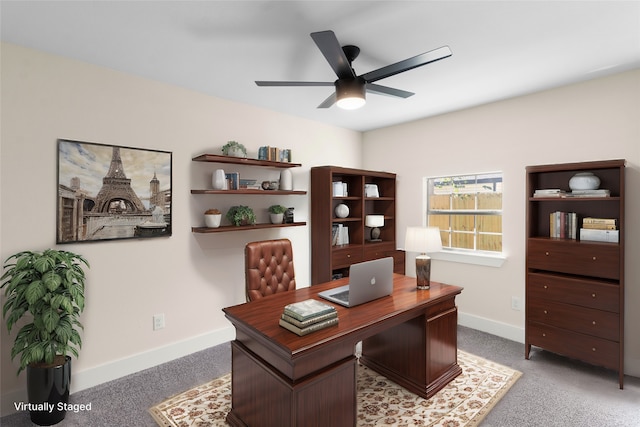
(375,235)
(423,272)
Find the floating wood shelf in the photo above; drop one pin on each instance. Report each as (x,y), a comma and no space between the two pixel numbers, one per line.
(243,227)
(244,161)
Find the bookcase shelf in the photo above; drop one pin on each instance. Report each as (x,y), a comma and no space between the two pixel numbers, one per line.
(575,288)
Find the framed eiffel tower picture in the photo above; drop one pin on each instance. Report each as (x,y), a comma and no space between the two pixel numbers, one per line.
(108,192)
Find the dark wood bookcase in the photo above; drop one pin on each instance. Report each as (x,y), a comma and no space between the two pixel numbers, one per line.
(575,288)
(329,259)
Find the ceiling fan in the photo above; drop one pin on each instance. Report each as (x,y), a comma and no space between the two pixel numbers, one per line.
(351,88)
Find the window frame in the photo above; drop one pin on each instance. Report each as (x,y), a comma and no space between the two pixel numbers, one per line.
(467,256)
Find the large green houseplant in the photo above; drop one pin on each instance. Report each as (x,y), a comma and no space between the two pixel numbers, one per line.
(45,291)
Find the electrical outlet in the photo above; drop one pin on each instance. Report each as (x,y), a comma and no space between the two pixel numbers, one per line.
(515,303)
(158,321)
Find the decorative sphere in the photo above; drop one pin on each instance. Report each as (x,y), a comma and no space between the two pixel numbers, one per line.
(584,181)
(342,210)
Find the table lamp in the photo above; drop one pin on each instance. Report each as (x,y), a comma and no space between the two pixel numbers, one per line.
(423,240)
(375,222)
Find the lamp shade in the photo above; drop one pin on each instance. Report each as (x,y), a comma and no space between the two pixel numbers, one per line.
(374,220)
(423,240)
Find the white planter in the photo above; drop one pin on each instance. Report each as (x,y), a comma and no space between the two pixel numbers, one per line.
(276,218)
(212,220)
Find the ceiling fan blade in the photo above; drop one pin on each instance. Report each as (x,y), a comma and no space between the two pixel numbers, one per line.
(407,64)
(270,83)
(332,51)
(329,101)
(385,90)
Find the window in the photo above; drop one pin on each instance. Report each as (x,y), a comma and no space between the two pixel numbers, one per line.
(468,211)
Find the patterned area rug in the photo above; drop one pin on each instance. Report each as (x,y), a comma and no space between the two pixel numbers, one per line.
(465,401)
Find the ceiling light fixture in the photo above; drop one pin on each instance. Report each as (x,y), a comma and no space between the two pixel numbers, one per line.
(350,93)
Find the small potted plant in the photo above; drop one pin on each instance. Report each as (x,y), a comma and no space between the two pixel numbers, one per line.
(241,215)
(212,218)
(44,294)
(234,149)
(276,213)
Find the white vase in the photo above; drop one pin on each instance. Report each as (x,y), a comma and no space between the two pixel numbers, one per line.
(584,181)
(286,180)
(212,220)
(219,180)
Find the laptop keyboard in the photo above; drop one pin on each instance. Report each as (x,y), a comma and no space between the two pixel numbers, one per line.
(342,296)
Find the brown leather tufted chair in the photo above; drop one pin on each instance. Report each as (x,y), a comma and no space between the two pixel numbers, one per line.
(268,268)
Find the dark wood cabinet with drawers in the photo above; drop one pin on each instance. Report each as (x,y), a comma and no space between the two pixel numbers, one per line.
(332,186)
(574,287)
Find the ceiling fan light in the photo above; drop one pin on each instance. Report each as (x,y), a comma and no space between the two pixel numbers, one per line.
(352,103)
(350,94)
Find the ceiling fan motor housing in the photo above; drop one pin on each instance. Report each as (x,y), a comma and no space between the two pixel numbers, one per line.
(350,88)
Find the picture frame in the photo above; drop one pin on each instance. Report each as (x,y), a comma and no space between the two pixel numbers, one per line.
(110,192)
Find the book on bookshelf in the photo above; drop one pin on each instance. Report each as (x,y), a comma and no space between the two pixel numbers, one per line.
(310,321)
(304,310)
(599,235)
(548,192)
(589,193)
(563,225)
(340,235)
(233,180)
(592,220)
(311,328)
(599,226)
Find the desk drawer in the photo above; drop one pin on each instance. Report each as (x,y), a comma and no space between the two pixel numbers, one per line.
(577,291)
(344,257)
(596,351)
(569,256)
(602,324)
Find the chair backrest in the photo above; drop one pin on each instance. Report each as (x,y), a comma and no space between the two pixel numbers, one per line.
(268,268)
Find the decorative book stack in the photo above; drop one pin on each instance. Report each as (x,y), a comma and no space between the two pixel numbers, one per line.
(563,225)
(308,316)
(599,230)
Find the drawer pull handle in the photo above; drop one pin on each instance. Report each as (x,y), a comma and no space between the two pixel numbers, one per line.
(544,335)
(593,295)
(546,253)
(545,312)
(594,323)
(594,258)
(348,255)
(546,287)
(593,349)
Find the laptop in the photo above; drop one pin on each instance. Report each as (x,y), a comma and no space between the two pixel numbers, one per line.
(368,280)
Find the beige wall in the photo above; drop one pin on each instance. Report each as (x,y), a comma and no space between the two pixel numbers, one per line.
(598,119)
(188,277)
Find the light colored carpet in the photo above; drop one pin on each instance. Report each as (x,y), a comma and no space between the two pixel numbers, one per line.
(464,402)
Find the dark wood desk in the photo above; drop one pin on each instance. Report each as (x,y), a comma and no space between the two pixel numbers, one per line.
(281,379)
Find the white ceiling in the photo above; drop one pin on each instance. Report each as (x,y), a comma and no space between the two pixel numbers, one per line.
(501,49)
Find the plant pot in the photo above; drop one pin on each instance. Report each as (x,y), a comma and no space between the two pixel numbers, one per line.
(276,218)
(212,220)
(48,389)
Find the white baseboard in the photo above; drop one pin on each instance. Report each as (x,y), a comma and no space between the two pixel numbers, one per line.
(503,330)
(129,365)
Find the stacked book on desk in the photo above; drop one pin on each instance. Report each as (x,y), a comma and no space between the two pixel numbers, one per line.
(308,316)
(599,230)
